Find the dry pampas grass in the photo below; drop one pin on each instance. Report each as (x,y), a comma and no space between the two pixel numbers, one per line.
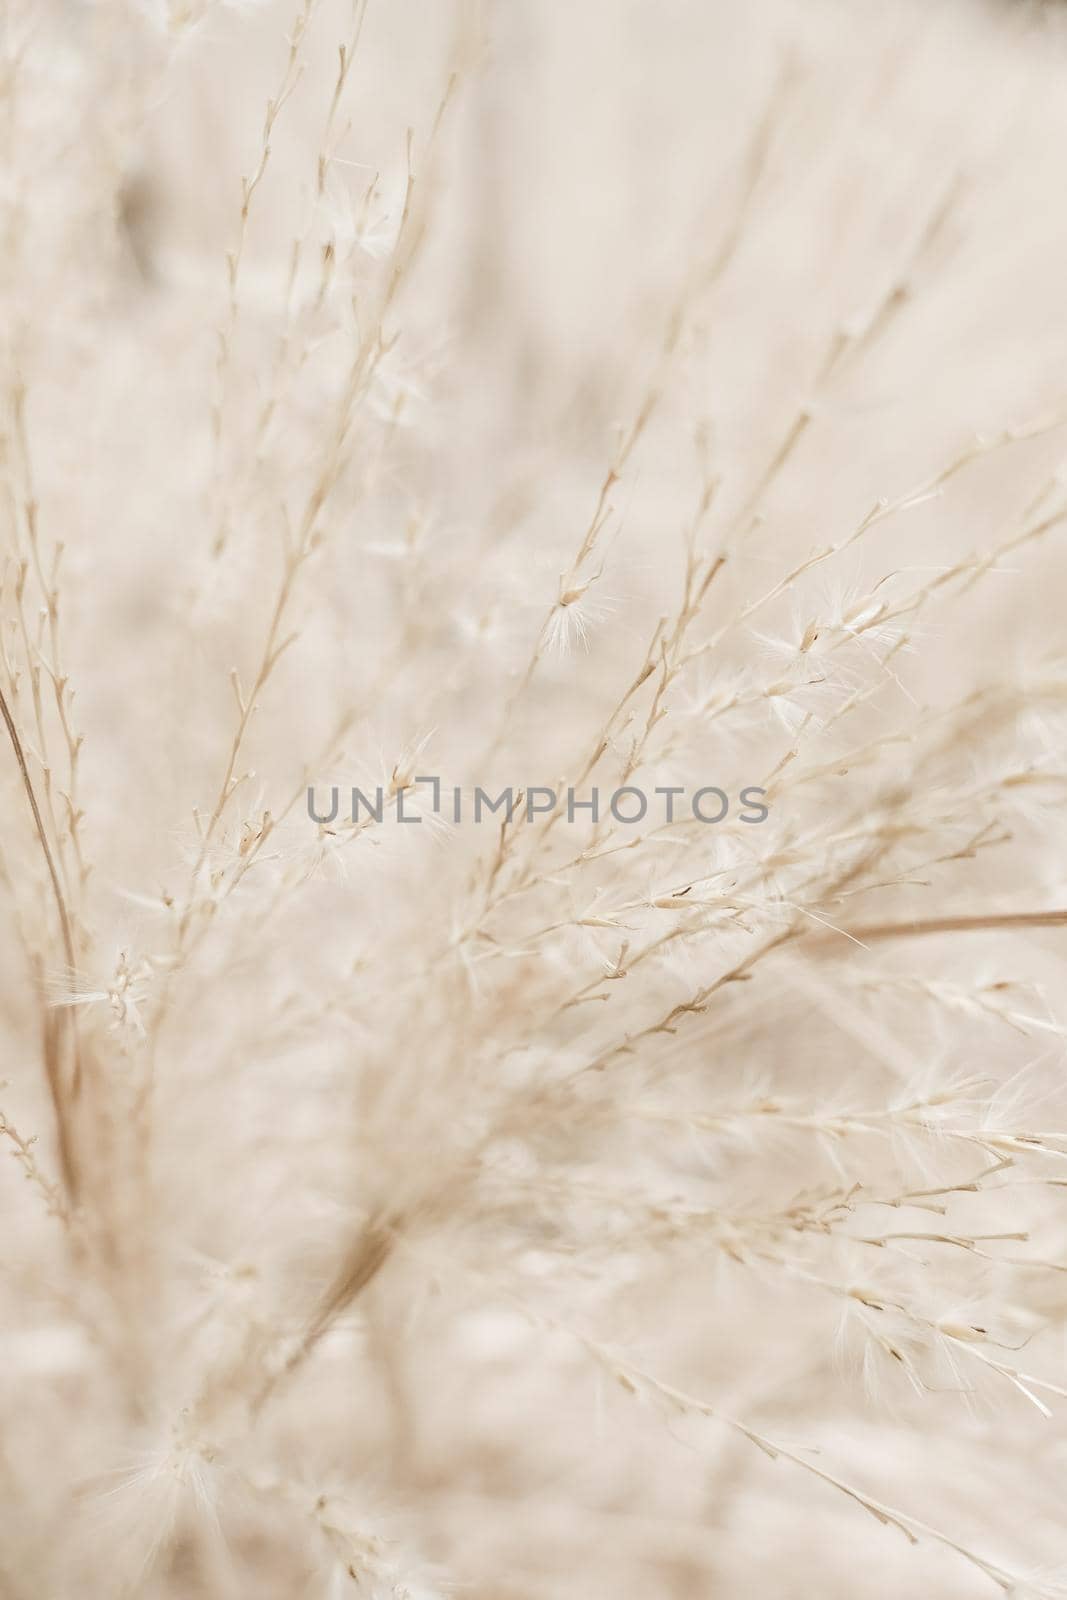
(533,763)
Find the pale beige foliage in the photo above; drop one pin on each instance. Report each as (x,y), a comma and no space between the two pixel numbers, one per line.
(546,398)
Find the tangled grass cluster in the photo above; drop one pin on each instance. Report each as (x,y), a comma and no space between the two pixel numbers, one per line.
(542,1204)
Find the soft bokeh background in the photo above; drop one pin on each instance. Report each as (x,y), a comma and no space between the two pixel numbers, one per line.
(589,167)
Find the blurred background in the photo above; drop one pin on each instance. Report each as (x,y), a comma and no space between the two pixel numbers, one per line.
(702,201)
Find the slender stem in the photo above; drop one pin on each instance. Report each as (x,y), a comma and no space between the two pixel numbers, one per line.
(57,890)
(973,924)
